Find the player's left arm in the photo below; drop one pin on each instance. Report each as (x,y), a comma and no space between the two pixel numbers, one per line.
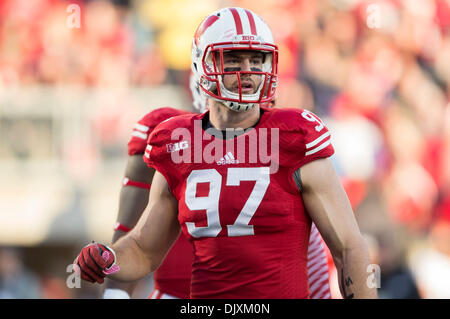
(329,208)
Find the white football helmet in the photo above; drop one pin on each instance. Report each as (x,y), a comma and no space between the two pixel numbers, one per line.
(233,29)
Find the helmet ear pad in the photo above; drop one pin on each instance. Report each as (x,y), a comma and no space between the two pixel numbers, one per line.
(198,98)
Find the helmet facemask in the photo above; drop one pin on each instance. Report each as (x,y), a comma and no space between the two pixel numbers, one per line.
(212,82)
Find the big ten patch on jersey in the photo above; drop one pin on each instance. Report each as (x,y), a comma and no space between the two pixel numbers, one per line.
(252,146)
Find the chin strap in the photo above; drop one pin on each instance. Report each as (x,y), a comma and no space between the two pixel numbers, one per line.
(238,107)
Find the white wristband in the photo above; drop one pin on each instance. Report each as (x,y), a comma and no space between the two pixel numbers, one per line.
(115,294)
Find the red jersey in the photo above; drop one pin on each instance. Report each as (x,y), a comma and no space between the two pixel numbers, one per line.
(174,274)
(238,202)
(146,125)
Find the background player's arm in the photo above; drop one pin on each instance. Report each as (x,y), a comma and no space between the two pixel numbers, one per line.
(329,208)
(132,203)
(143,249)
(133,200)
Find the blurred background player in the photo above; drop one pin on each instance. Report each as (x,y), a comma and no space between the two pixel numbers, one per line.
(172,279)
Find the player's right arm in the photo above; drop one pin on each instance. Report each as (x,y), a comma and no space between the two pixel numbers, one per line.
(143,249)
(132,201)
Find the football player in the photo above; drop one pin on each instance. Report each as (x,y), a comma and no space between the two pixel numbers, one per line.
(240,208)
(172,279)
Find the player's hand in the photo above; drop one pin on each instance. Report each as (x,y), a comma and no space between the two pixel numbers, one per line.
(94,262)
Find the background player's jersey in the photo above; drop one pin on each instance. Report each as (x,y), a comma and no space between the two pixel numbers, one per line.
(146,125)
(318,270)
(173,277)
(238,202)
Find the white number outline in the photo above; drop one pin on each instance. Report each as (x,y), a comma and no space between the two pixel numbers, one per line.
(241,227)
(193,202)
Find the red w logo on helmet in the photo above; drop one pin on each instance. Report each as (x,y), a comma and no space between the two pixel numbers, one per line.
(205,25)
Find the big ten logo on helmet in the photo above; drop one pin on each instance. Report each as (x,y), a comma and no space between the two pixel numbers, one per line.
(254,146)
(248,38)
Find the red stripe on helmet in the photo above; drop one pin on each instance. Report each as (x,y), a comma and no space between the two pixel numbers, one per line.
(237,20)
(252,22)
(205,25)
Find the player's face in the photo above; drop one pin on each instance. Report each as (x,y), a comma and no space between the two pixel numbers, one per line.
(234,61)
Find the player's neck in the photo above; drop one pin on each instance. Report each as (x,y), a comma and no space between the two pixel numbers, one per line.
(221,117)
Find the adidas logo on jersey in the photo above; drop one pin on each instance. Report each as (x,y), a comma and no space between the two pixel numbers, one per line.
(228,159)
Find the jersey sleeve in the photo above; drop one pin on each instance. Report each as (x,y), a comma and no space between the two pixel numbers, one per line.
(314,140)
(139,135)
(156,155)
(145,126)
(305,139)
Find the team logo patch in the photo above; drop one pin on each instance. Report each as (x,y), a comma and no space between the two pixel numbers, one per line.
(175,147)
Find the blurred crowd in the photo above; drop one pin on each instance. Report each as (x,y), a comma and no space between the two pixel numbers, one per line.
(377,72)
